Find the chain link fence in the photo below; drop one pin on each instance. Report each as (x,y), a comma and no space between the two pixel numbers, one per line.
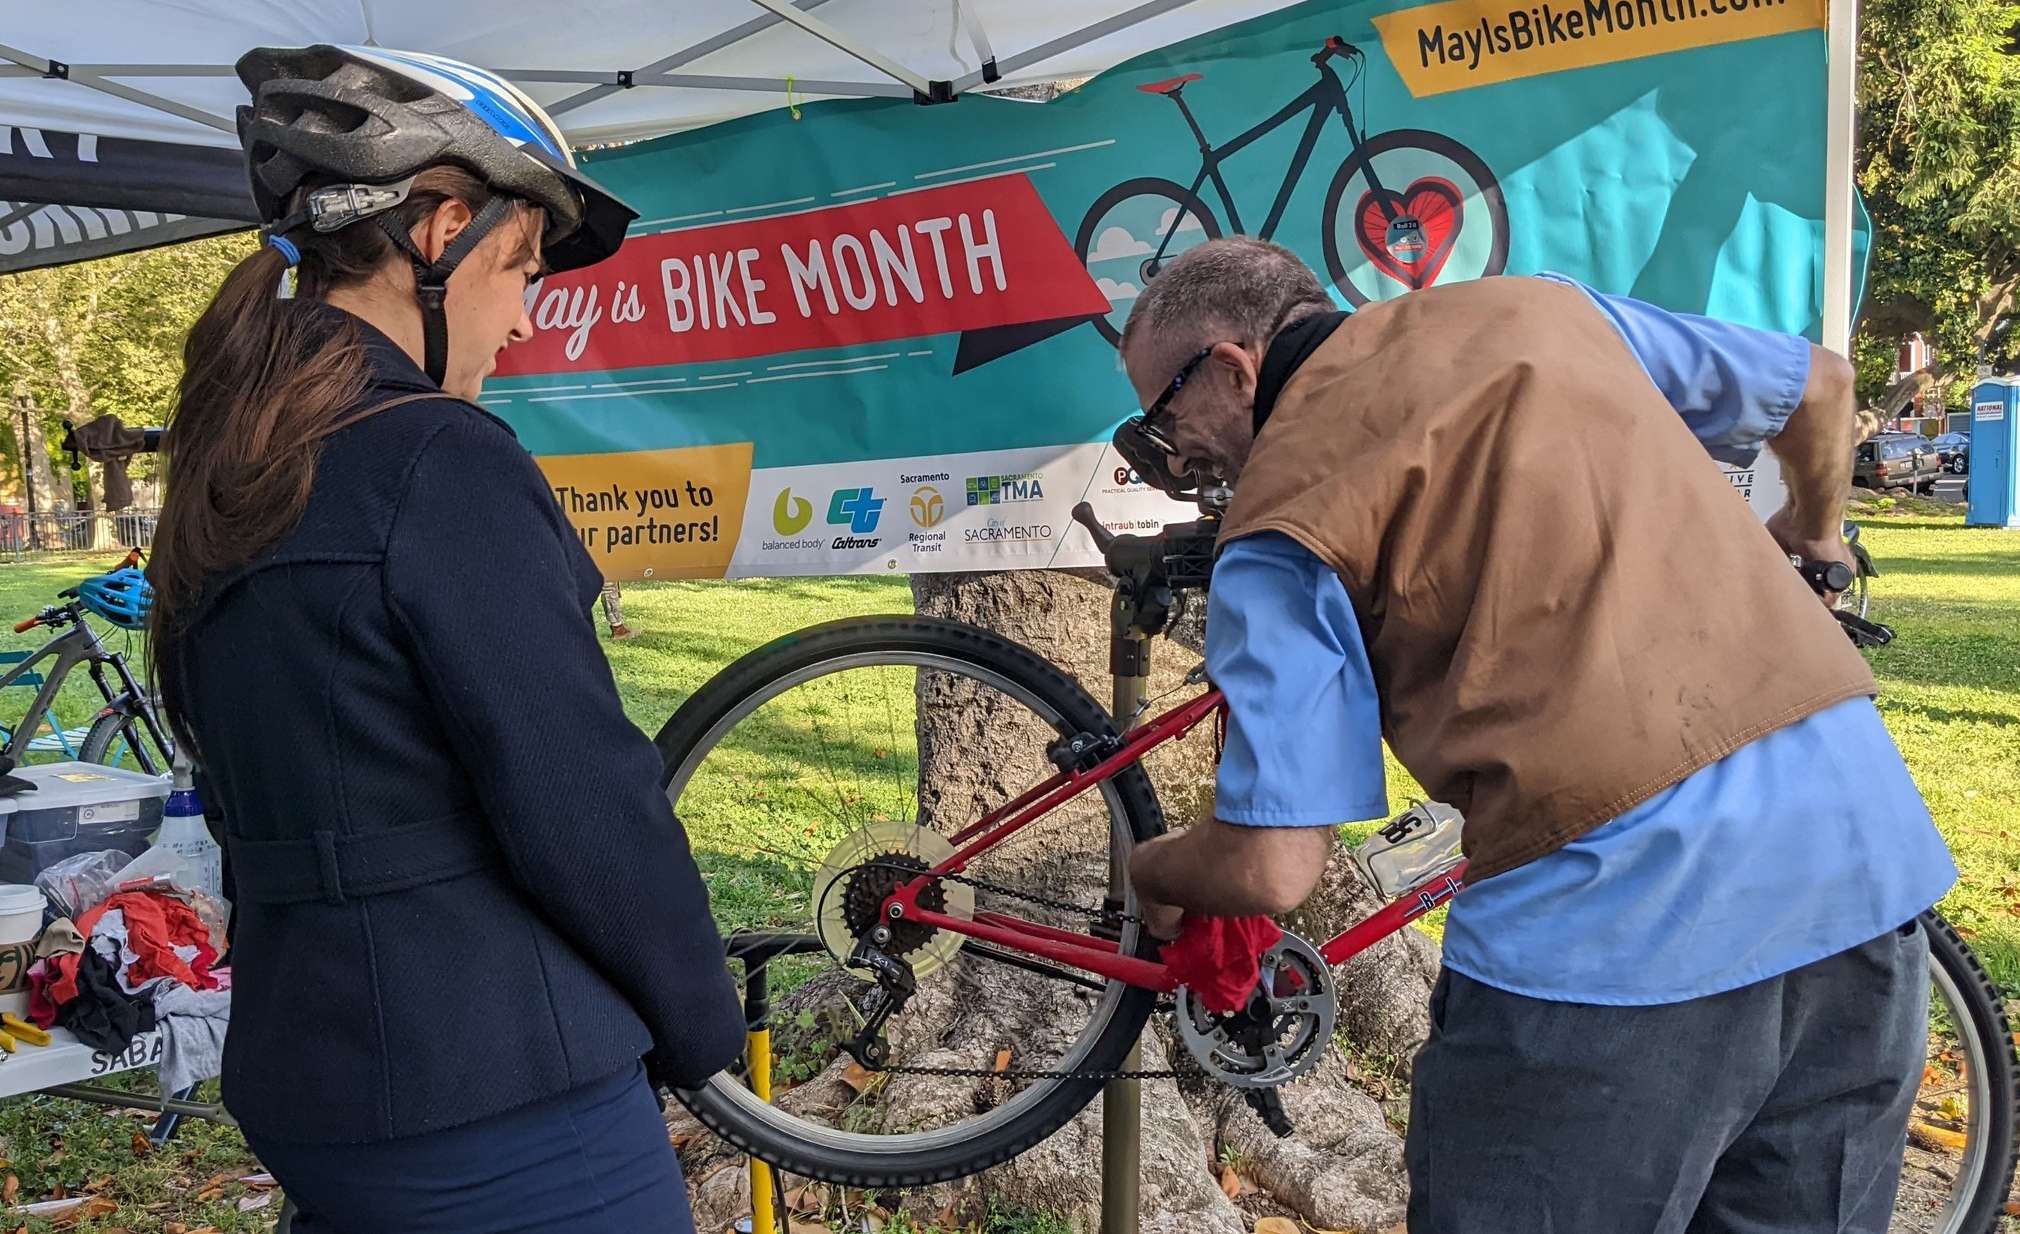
(74,531)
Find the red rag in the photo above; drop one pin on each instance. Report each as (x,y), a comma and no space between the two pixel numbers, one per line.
(1218,958)
(155,926)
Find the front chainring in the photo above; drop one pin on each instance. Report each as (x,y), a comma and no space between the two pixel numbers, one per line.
(1282,1031)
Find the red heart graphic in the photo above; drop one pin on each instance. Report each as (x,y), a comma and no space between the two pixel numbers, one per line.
(1413,256)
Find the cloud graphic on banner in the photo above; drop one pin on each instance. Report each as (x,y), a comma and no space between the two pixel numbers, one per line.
(1115,243)
(1118,291)
(1191,223)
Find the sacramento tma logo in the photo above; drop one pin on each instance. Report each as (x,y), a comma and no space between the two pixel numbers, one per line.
(790,514)
(997,490)
(927,507)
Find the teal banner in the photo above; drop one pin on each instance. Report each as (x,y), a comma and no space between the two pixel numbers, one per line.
(880,336)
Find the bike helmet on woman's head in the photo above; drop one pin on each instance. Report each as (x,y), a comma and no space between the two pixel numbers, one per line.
(361,122)
(123,597)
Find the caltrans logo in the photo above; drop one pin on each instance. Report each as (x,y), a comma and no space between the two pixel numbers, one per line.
(790,514)
(927,507)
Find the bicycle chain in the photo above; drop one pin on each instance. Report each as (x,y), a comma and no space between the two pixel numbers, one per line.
(1072,1073)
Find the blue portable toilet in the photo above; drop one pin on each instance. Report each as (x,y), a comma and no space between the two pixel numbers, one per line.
(1994,488)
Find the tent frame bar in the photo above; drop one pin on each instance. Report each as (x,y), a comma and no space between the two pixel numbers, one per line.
(687,55)
(81,75)
(935,91)
(1067,42)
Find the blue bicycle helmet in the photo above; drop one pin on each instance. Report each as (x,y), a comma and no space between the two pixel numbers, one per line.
(123,597)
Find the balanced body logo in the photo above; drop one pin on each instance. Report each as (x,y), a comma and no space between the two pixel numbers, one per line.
(999,490)
(790,514)
(858,509)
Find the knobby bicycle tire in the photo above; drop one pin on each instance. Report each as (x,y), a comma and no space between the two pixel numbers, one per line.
(1978,1211)
(849,641)
(109,728)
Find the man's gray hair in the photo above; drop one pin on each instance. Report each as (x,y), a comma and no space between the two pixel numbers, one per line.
(1238,289)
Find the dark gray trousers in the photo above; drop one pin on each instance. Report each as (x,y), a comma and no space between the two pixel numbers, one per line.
(1777,1108)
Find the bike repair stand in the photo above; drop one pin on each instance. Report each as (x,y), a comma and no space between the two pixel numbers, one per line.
(757,951)
(1122,1100)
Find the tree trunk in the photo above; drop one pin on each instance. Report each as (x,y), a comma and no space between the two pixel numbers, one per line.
(1342,1169)
(43,494)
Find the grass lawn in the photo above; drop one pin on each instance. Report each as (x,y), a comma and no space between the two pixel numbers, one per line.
(1950,693)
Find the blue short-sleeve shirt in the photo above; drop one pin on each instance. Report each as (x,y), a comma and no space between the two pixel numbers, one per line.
(1739,873)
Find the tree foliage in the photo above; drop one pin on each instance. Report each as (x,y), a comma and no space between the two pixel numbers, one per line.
(1939,166)
(104,336)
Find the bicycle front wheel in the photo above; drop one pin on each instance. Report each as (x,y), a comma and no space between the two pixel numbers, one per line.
(117,740)
(847,754)
(1958,1165)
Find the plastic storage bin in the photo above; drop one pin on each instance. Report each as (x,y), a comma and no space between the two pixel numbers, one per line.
(78,808)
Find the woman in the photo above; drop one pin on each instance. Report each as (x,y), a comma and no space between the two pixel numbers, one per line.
(465,911)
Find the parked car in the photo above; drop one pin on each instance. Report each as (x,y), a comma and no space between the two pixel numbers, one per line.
(1897,460)
(1954,449)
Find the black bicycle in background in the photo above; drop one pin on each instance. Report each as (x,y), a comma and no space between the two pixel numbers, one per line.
(125,732)
(1405,209)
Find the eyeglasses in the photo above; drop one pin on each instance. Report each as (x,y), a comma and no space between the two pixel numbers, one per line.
(1149,420)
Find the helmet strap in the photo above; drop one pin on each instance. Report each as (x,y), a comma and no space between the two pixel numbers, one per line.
(431,279)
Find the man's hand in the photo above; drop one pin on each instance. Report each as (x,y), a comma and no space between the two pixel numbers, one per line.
(1225,870)
(1796,541)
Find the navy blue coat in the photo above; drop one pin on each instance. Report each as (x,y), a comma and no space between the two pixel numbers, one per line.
(459,886)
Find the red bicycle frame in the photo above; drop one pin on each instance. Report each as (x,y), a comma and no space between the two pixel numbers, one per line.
(1088,952)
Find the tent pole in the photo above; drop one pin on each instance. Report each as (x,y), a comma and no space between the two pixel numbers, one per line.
(1842,51)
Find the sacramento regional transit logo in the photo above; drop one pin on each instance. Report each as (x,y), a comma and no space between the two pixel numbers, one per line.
(927,507)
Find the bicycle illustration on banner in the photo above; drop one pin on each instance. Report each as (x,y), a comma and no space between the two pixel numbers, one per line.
(1406,209)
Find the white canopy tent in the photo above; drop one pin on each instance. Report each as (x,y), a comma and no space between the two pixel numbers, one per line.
(608,70)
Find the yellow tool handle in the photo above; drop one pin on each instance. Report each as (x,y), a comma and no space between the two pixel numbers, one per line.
(6,1043)
(22,1030)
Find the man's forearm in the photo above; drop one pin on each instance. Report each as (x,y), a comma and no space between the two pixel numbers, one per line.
(1815,449)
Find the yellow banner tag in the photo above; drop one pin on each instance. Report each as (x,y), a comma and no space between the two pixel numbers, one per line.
(655,513)
(1461,43)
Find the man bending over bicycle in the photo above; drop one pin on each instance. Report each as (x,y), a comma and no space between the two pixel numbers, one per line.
(1684,988)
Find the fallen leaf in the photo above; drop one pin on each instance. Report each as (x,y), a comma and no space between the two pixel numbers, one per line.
(1276,1225)
(141,1145)
(680,1141)
(60,1193)
(10,1189)
(174,1227)
(1230,1183)
(97,1184)
(1932,1138)
(1002,1061)
(857,1076)
(258,1180)
(249,1203)
(2013,1208)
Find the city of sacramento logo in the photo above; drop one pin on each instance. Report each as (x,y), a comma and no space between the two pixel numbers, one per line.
(790,514)
(927,507)
(856,508)
(997,490)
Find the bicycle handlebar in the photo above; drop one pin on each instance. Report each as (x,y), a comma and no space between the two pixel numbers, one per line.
(1180,556)
(23,627)
(1335,46)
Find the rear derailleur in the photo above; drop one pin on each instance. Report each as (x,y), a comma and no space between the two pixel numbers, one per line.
(895,985)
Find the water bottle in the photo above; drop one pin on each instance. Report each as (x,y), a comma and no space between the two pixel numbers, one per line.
(184,833)
(1417,846)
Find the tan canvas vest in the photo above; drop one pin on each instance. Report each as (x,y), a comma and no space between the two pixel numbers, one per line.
(1567,605)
